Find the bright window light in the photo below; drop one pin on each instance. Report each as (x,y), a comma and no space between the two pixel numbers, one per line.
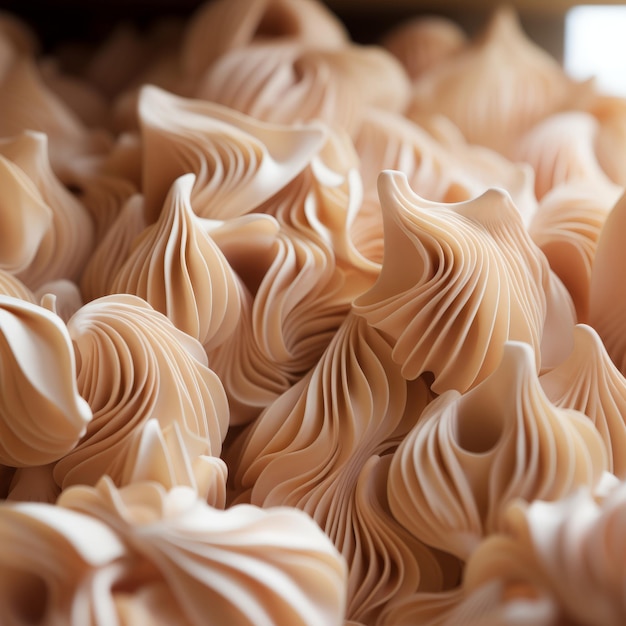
(595,45)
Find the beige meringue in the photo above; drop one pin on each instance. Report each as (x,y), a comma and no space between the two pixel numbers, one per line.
(499,87)
(220,26)
(42,415)
(607,301)
(566,227)
(57,566)
(239,162)
(422,43)
(457,281)
(135,365)
(67,242)
(10,285)
(290,83)
(589,382)
(313,448)
(244,565)
(472,454)
(176,267)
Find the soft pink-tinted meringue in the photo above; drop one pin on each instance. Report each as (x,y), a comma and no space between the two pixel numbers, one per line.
(238,162)
(177,267)
(422,43)
(566,227)
(589,382)
(68,240)
(607,299)
(458,281)
(472,454)
(57,566)
(289,83)
(561,149)
(135,365)
(610,140)
(244,565)
(499,87)
(221,26)
(316,447)
(42,415)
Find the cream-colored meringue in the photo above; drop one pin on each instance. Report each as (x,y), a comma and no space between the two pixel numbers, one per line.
(290,83)
(607,299)
(244,565)
(459,280)
(25,218)
(499,87)
(176,267)
(27,104)
(566,227)
(135,365)
(57,566)
(561,149)
(589,382)
(42,415)
(238,162)
(310,449)
(472,454)
(67,242)
(422,43)
(10,285)
(224,25)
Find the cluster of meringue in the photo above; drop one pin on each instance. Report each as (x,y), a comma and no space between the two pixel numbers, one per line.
(295,331)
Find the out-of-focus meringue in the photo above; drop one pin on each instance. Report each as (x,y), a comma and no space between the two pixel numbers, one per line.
(309,449)
(499,87)
(423,43)
(589,382)
(176,267)
(134,365)
(567,552)
(610,140)
(238,162)
(57,566)
(28,105)
(472,454)
(607,299)
(10,285)
(244,565)
(457,281)
(42,415)
(561,149)
(61,297)
(566,227)
(67,242)
(227,24)
(289,83)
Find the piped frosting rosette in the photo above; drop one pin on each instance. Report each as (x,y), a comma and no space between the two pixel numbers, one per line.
(238,162)
(322,457)
(588,381)
(499,87)
(241,566)
(458,281)
(180,271)
(472,454)
(135,365)
(292,82)
(42,414)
